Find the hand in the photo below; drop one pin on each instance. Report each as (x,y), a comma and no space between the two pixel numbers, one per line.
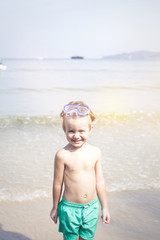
(54,215)
(105,216)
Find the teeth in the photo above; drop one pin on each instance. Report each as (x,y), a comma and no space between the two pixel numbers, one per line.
(76,141)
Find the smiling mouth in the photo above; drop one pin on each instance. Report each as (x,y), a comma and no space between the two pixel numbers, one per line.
(76,141)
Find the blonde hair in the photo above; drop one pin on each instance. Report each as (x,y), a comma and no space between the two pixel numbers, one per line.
(92,116)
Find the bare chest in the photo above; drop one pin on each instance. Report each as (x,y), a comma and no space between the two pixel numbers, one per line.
(80,164)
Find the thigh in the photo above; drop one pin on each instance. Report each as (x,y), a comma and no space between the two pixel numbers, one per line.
(69,221)
(89,222)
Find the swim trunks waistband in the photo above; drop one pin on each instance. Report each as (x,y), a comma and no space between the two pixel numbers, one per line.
(77,204)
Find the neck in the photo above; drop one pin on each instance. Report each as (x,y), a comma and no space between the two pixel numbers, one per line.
(72,148)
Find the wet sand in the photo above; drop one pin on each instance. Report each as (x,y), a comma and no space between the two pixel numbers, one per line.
(135,215)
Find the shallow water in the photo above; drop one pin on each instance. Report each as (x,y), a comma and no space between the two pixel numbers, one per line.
(125,97)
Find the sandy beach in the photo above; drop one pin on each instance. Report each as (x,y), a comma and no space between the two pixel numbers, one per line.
(134,215)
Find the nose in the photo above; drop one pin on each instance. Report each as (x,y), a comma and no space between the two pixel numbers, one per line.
(76,135)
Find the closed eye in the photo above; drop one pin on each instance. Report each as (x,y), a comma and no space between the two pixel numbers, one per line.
(81,131)
(70,131)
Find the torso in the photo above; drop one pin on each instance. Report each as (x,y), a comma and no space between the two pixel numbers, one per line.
(79,175)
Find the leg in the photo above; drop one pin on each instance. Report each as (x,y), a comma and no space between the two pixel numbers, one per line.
(81,238)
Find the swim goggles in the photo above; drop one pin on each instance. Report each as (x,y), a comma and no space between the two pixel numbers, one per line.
(75,110)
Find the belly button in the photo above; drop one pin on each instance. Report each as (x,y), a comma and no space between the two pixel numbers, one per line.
(85,195)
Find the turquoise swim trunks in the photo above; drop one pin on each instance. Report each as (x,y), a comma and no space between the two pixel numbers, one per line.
(78,219)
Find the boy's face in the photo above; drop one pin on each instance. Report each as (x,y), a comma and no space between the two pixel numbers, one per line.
(77,130)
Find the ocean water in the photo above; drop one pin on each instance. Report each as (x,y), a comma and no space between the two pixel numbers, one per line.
(124,95)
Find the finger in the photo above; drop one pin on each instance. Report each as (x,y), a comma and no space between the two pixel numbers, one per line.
(55,219)
(103,220)
(106,220)
(52,217)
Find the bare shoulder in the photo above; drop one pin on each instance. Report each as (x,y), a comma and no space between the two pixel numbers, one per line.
(95,150)
(60,155)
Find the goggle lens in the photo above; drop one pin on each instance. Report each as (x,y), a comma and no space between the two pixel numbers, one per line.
(79,109)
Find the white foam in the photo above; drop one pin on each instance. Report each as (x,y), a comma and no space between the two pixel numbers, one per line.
(20,197)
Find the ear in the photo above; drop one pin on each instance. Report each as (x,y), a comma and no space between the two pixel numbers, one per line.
(91,128)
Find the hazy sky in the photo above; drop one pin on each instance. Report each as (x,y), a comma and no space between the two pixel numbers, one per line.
(91,28)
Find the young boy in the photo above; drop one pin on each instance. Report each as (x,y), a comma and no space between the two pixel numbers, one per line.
(78,167)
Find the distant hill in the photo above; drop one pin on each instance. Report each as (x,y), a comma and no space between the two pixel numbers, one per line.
(77,57)
(138,55)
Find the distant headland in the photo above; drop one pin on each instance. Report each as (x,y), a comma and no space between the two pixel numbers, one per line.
(137,55)
(77,57)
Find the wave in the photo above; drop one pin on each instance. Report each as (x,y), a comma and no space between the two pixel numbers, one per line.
(45,194)
(127,117)
(47,90)
(60,70)
(93,89)
(107,118)
(132,87)
(17,121)
(20,197)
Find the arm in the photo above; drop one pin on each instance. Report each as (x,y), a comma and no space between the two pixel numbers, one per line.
(57,185)
(101,191)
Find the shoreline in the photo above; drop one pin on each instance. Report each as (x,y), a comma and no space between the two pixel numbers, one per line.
(135,215)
